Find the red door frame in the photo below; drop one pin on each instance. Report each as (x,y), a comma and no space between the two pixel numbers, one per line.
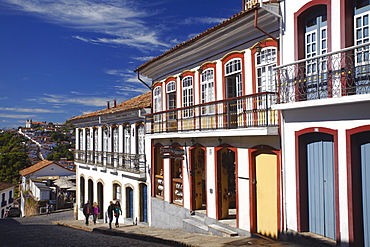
(192,202)
(218,178)
(253,152)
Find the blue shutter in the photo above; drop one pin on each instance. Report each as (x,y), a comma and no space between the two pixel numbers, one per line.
(365,171)
(321,199)
(145,203)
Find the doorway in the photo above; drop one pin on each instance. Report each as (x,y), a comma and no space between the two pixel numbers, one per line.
(198,179)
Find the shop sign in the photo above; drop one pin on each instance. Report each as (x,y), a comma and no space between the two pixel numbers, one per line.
(171,153)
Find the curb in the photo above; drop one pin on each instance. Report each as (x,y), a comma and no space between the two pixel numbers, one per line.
(137,236)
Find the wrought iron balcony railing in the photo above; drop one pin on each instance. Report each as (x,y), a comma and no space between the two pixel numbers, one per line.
(332,75)
(135,163)
(239,112)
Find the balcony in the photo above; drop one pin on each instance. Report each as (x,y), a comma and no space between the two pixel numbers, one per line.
(332,75)
(133,163)
(251,111)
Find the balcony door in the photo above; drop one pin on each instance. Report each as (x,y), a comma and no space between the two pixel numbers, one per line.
(316,84)
(233,89)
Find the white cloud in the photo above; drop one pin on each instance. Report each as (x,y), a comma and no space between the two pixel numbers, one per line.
(143,58)
(203,20)
(29,110)
(119,22)
(16,116)
(125,89)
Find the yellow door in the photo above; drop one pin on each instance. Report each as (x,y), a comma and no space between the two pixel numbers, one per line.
(266,195)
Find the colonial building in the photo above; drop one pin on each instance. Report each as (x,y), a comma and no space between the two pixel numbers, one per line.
(36,188)
(324,99)
(212,136)
(7,197)
(110,160)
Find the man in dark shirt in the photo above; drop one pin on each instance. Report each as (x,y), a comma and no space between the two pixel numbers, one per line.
(110,213)
(87,210)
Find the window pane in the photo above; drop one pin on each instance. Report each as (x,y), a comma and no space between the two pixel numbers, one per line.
(366,20)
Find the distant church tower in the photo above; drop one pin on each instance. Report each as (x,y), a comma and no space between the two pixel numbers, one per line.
(29,123)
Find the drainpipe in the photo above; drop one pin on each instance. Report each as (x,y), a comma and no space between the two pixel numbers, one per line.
(256,26)
(138,77)
(281,128)
(280,26)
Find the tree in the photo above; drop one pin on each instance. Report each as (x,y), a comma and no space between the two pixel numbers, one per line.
(11,164)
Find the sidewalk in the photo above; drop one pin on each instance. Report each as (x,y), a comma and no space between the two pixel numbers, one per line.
(172,237)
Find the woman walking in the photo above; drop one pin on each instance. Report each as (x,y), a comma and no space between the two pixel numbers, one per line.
(117,212)
(95,211)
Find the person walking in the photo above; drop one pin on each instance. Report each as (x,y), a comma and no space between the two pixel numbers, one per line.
(117,212)
(47,209)
(87,211)
(95,210)
(110,213)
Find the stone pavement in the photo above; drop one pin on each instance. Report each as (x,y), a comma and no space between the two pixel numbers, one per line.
(173,237)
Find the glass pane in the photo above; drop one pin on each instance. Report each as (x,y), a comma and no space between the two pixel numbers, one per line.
(358,22)
(366,32)
(359,34)
(323,44)
(366,20)
(313,37)
(323,34)
(313,47)
(309,38)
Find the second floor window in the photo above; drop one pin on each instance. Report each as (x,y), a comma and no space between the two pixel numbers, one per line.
(233,78)
(87,139)
(81,139)
(171,98)
(207,84)
(157,99)
(95,131)
(115,140)
(140,139)
(187,95)
(127,139)
(265,63)
(105,139)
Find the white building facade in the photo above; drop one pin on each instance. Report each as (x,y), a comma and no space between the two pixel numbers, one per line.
(110,159)
(6,197)
(324,99)
(212,134)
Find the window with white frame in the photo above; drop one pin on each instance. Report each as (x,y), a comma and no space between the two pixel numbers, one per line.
(316,44)
(88,139)
(81,139)
(96,143)
(233,75)
(187,95)
(141,139)
(157,99)
(127,139)
(171,99)
(105,139)
(115,140)
(361,35)
(265,63)
(207,87)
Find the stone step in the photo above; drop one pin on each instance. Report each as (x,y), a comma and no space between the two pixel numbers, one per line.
(191,225)
(198,218)
(221,231)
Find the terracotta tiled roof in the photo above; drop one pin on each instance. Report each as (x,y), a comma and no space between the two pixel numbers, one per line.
(138,102)
(199,36)
(37,167)
(4,185)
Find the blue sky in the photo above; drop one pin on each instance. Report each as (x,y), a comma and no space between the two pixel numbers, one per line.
(65,58)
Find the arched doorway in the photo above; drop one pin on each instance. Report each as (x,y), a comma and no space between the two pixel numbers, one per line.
(226,183)
(129,203)
(264,190)
(359,186)
(90,191)
(317,205)
(100,201)
(198,178)
(82,191)
(143,202)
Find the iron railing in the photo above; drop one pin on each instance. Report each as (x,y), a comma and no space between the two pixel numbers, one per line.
(135,163)
(239,112)
(332,75)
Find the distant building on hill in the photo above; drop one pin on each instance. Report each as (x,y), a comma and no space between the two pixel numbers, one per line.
(30,124)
